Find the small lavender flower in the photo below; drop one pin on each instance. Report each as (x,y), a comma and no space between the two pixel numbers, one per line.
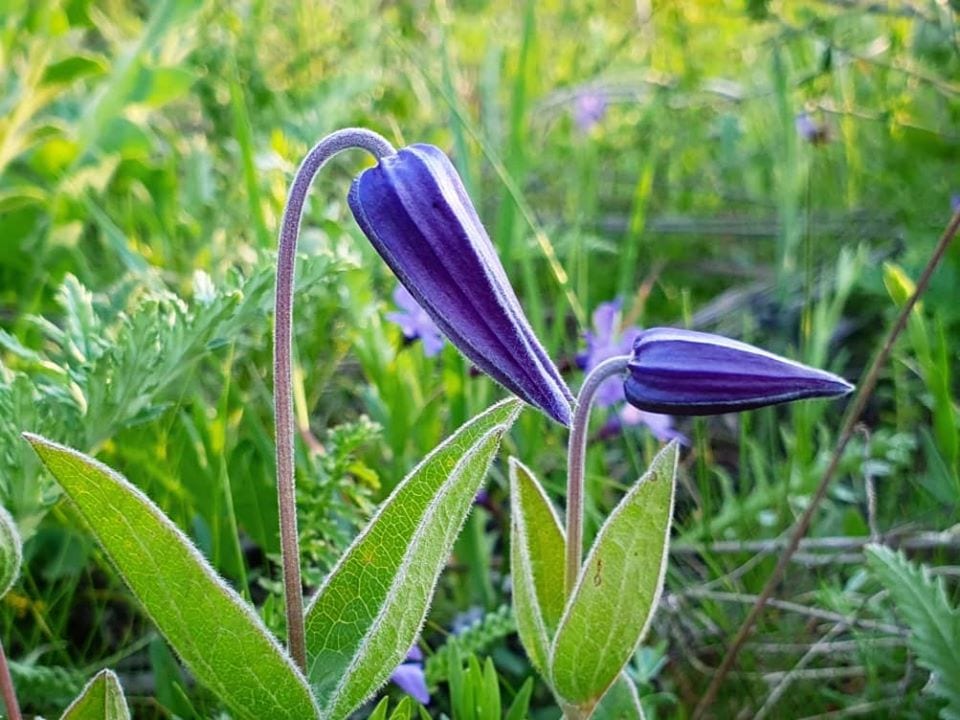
(589,108)
(415,323)
(415,211)
(955,202)
(693,373)
(409,677)
(810,130)
(607,340)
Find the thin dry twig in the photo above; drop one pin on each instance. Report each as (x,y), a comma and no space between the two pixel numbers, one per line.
(867,387)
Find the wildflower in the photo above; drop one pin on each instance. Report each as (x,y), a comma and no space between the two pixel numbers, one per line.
(810,130)
(415,211)
(607,340)
(415,323)
(589,108)
(955,202)
(692,373)
(410,678)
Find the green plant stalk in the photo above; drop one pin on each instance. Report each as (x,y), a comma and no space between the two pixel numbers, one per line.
(576,459)
(866,389)
(6,688)
(318,156)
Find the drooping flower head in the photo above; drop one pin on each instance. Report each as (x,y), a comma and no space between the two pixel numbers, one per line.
(410,677)
(415,211)
(683,372)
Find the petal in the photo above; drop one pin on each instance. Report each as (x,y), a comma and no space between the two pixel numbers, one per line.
(682,372)
(409,677)
(414,210)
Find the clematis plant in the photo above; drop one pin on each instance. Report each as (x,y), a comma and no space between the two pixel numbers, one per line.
(579,621)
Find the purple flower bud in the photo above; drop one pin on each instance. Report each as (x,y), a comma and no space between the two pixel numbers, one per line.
(692,373)
(415,211)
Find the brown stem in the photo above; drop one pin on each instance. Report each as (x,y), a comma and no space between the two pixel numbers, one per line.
(864,392)
(6,688)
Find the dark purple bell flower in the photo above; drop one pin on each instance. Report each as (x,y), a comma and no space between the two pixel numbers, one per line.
(683,372)
(415,211)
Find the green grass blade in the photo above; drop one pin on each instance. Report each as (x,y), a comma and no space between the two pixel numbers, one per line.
(364,619)
(617,590)
(100,699)
(217,635)
(537,549)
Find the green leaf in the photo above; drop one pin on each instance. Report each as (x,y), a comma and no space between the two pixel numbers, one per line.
(621,702)
(617,589)
(218,636)
(402,710)
(380,711)
(520,706)
(11,551)
(934,623)
(537,549)
(100,699)
(367,615)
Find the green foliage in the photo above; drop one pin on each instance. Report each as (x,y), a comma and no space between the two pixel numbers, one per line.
(934,623)
(213,630)
(537,551)
(477,638)
(475,690)
(11,552)
(365,618)
(618,589)
(101,699)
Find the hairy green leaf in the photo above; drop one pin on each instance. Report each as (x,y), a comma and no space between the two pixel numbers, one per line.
(101,699)
(11,553)
(366,616)
(617,589)
(537,548)
(218,636)
(934,622)
(620,702)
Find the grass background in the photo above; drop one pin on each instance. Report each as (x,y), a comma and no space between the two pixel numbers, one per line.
(145,152)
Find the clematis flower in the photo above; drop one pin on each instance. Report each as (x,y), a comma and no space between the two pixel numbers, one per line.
(410,678)
(415,211)
(415,323)
(810,130)
(607,340)
(693,373)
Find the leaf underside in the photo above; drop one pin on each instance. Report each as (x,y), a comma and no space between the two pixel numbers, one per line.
(364,619)
(537,558)
(216,634)
(617,590)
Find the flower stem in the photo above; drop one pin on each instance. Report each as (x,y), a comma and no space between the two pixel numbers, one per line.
(282,366)
(576,457)
(6,688)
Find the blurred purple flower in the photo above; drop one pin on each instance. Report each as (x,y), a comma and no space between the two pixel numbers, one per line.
(415,323)
(609,340)
(955,202)
(589,108)
(810,130)
(410,678)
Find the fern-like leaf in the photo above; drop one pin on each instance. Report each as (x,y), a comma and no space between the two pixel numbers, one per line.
(934,623)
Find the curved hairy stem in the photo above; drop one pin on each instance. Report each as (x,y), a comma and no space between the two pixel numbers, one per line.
(282,364)
(576,457)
